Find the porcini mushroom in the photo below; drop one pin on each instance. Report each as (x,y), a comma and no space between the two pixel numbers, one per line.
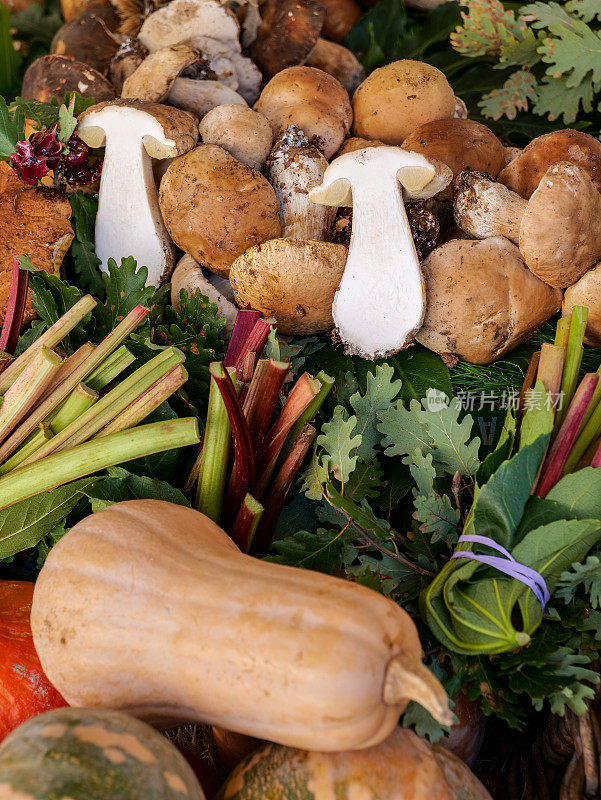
(188,275)
(244,133)
(356,143)
(459,143)
(73,8)
(294,168)
(200,97)
(186,19)
(337,61)
(54,76)
(380,303)
(311,99)
(340,17)
(125,62)
(587,292)
(396,99)
(215,207)
(154,77)
(482,300)
(293,281)
(129,220)
(288,32)
(558,230)
(89,38)
(523,173)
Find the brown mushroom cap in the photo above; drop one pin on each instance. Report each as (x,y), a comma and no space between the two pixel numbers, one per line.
(459,143)
(356,143)
(341,15)
(396,99)
(587,292)
(125,62)
(154,77)
(293,281)
(88,38)
(215,207)
(337,61)
(313,101)
(482,300)
(288,32)
(54,76)
(73,8)
(523,173)
(244,133)
(560,234)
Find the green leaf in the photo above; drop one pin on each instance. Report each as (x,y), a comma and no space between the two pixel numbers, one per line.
(575,51)
(84,207)
(321,551)
(366,480)
(579,493)
(380,393)
(557,98)
(66,121)
(423,723)
(338,440)
(48,542)
(434,28)
(10,59)
(315,476)
(404,430)
(453,447)
(24,524)
(121,485)
(375,35)
(85,264)
(516,94)
(125,289)
(419,370)
(12,128)
(539,415)
(486,27)
(587,10)
(587,576)
(570,668)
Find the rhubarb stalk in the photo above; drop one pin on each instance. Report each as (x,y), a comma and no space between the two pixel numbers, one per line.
(529,381)
(550,370)
(5,361)
(262,397)
(246,523)
(573,360)
(80,400)
(27,389)
(15,309)
(566,436)
(69,366)
(94,456)
(255,343)
(214,456)
(246,320)
(30,445)
(589,431)
(596,462)
(326,383)
(562,333)
(110,368)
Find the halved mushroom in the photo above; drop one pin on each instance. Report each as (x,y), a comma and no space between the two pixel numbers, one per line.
(459,143)
(482,300)
(337,61)
(523,174)
(244,133)
(154,77)
(54,76)
(188,275)
(288,33)
(293,281)
(90,38)
(558,230)
(311,99)
(215,207)
(356,143)
(129,220)
(186,19)
(294,168)
(381,303)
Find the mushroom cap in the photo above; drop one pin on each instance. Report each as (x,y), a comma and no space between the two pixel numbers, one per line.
(184,19)
(244,133)
(174,132)
(482,300)
(155,76)
(459,143)
(313,101)
(587,292)
(288,32)
(396,99)
(125,62)
(560,234)
(523,173)
(87,38)
(215,207)
(337,61)
(54,76)
(341,15)
(356,143)
(293,281)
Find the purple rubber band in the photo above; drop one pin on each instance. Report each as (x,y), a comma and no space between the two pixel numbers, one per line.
(507,565)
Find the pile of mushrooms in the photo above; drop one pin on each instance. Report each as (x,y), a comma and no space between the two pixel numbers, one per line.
(254,147)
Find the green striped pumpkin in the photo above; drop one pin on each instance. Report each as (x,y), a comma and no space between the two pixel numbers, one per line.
(92,754)
(403,767)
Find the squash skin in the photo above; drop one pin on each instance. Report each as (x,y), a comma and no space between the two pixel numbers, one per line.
(214,635)
(92,754)
(24,689)
(404,767)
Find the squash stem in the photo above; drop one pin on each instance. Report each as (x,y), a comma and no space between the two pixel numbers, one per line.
(94,456)
(408,679)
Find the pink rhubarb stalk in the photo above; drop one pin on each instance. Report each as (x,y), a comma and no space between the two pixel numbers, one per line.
(15,309)
(246,320)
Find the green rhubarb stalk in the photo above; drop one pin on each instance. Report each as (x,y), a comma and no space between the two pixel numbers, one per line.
(594,402)
(112,404)
(94,359)
(550,370)
(29,446)
(80,399)
(94,456)
(562,333)
(311,411)
(27,389)
(214,457)
(573,360)
(246,523)
(110,368)
(147,402)
(50,338)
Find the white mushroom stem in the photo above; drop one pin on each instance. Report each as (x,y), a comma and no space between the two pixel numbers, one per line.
(380,304)
(188,275)
(294,168)
(129,221)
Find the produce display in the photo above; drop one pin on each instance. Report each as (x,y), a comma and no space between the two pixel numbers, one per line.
(300,400)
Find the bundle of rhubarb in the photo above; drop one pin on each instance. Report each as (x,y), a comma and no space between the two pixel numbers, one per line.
(63,418)
(246,493)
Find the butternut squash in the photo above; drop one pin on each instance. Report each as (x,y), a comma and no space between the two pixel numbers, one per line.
(149,607)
